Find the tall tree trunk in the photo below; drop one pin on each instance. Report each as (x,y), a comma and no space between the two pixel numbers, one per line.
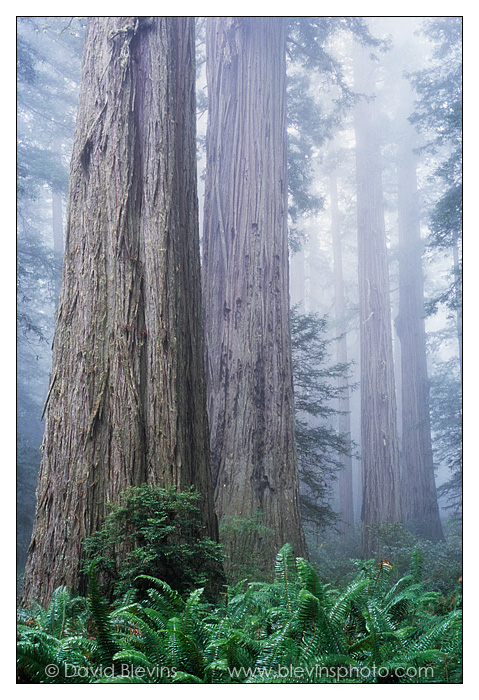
(418,488)
(379,439)
(127,399)
(346,508)
(246,296)
(57,223)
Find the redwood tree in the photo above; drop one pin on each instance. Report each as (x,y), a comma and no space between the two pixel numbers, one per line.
(127,399)
(57,219)
(379,438)
(418,487)
(346,507)
(246,295)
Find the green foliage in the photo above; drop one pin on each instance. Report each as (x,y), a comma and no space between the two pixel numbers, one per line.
(101,617)
(308,128)
(313,69)
(245,562)
(309,39)
(336,559)
(317,384)
(334,556)
(53,637)
(438,113)
(446,426)
(156,532)
(294,629)
(441,561)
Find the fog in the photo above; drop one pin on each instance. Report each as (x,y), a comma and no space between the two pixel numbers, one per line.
(410,83)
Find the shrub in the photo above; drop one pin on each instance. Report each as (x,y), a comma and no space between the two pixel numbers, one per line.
(156,532)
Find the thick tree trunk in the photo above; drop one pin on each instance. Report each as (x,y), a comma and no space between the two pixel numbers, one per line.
(127,399)
(379,439)
(246,294)
(346,508)
(418,488)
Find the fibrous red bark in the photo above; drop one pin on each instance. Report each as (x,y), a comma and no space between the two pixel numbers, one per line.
(127,399)
(246,295)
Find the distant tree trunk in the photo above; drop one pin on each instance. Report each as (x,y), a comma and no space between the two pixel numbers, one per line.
(397,373)
(346,508)
(246,296)
(418,488)
(127,399)
(379,439)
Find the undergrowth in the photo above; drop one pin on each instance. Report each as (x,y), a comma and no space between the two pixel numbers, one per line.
(295,629)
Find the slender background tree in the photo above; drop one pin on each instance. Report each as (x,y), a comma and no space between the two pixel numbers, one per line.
(420,508)
(379,436)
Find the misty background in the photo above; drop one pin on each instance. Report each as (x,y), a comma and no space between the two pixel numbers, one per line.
(417,65)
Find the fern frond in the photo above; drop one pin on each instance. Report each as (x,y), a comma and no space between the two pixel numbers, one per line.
(416,566)
(190,614)
(277,648)
(101,617)
(354,594)
(56,614)
(447,628)
(163,597)
(36,650)
(139,635)
(309,579)
(285,573)
(133,658)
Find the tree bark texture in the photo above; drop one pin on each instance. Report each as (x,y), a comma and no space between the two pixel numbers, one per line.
(127,399)
(246,294)
(379,439)
(57,222)
(346,508)
(418,488)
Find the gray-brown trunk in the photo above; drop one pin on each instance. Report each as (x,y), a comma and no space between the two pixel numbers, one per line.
(418,488)
(346,508)
(379,439)
(57,223)
(127,399)
(246,296)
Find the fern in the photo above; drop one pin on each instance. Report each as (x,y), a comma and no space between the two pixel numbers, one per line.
(368,633)
(101,617)
(286,574)
(165,598)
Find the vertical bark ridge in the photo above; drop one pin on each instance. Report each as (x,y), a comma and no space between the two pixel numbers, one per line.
(418,487)
(379,438)
(246,295)
(346,508)
(128,395)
